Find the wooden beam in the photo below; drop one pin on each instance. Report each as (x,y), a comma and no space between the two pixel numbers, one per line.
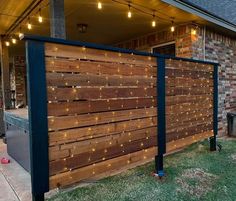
(6,89)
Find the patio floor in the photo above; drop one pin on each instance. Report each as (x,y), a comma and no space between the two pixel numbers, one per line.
(14,180)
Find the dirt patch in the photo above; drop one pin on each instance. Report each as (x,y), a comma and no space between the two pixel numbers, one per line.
(195,182)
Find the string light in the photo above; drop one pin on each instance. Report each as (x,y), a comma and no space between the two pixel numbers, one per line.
(153,21)
(172,28)
(13,40)
(7,43)
(40,18)
(129,12)
(99,5)
(20,33)
(193,31)
(29,26)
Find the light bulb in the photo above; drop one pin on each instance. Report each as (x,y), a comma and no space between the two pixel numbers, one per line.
(7,43)
(129,14)
(29,26)
(20,34)
(172,28)
(99,5)
(13,40)
(153,23)
(40,19)
(193,31)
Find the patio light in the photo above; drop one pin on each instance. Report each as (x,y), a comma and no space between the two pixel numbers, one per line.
(20,33)
(193,31)
(153,21)
(13,40)
(29,26)
(129,12)
(40,18)
(99,5)
(7,43)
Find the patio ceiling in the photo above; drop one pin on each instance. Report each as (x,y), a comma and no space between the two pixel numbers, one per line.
(107,26)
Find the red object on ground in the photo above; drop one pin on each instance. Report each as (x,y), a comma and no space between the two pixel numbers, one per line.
(5,161)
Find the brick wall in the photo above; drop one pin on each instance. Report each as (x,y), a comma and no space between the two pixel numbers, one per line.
(204,45)
(182,38)
(221,49)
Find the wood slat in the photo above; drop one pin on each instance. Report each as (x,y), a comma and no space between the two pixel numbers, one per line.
(177,99)
(66,51)
(56,94)
(57,123)
(82,107)
(106,153)
(86,133)
(98,68)
(185,65)
(194,74)
(67,79)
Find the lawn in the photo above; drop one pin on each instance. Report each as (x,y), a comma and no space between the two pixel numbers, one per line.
(192,174)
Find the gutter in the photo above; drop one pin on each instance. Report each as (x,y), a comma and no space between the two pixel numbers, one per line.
(191,8)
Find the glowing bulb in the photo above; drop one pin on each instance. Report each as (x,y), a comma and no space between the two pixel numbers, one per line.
(40,19)
(20,34)
(7,43)
(13,40)
(29,26)
(172,28)
(193,31)
(99,5)
(153,23)
(129,14)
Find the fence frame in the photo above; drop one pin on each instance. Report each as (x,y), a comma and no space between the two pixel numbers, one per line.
(37,99)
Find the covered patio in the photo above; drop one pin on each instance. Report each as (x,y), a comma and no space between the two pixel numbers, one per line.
(75,59)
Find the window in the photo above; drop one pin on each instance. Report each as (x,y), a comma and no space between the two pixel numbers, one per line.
(167,48)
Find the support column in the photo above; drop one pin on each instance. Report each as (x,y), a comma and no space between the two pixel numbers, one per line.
(57,19)
(161,112)
(5,76)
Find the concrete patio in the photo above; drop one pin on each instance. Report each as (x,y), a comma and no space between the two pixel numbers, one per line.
(14,180)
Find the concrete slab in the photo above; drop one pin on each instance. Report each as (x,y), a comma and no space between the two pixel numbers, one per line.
(7,192)
(17,178)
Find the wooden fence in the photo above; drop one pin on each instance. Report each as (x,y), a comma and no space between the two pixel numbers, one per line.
(103,106)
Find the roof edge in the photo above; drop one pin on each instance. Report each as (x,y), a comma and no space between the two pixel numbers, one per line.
(191,8)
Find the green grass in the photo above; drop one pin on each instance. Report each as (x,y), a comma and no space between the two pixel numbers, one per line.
(192,174)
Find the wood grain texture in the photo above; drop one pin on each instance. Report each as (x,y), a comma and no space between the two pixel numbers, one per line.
(102,109)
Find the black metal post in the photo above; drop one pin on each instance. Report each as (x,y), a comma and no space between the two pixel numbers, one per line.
(38,197)
(38,125)
(161,110)
(215,109)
